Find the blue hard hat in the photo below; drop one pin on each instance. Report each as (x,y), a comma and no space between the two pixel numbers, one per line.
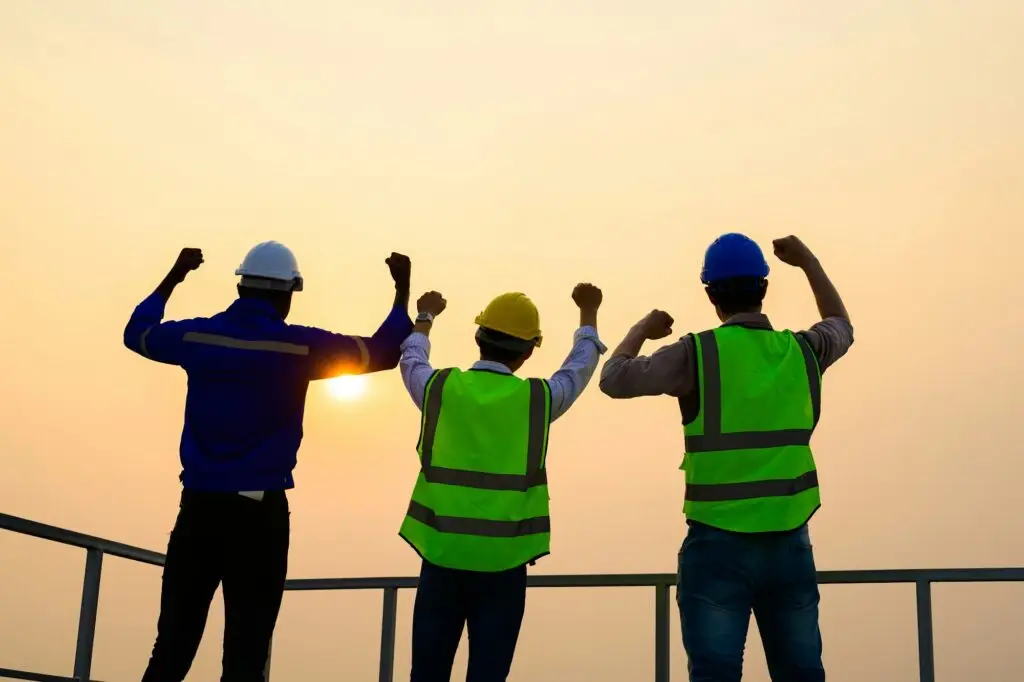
(733,255)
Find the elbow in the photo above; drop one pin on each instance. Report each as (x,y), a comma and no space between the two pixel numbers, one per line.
(130,338)
(383,357)
(610,387)
(389,361)
(845,317)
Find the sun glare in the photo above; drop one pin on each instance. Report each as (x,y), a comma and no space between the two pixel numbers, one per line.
(347,386)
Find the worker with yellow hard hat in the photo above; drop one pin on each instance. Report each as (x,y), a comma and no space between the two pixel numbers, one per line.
(479,509)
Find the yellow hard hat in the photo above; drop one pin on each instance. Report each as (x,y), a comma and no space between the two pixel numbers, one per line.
(513,314)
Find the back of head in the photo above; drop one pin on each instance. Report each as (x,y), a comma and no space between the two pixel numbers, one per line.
(280,300)
(270,272)
(509,330)
(735,274)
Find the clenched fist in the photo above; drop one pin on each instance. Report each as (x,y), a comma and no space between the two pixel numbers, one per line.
(431,302)
(587,296)
(401,269)
(188,260)
(791,251)
(656,325)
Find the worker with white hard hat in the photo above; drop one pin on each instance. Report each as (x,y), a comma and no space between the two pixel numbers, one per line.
(750,399)
(248,373)
(479,509)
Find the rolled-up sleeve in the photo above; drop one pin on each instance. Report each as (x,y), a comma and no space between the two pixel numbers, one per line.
(415,367)
(569,382)
(333,354)
(830,340)
(669,371)
(150,337)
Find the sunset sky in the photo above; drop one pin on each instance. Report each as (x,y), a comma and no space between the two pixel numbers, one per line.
(517,146)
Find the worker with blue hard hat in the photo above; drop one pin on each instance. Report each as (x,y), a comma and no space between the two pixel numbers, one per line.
(248,374)
(733,256)
(750,398)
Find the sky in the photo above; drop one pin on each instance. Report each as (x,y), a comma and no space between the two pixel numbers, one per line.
(517,146)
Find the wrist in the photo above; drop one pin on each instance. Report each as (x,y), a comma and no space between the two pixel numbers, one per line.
(810,263)
(639,331)
(588,317)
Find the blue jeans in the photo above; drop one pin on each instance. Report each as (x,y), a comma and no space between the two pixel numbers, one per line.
(723,577)
(489,605)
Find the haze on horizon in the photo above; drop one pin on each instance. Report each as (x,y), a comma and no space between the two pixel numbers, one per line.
(525,146)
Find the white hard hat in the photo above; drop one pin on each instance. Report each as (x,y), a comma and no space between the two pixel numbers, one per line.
(270,265)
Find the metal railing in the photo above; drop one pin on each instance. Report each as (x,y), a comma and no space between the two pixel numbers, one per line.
(661,583)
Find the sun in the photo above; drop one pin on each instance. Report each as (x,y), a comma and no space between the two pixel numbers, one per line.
(347,386)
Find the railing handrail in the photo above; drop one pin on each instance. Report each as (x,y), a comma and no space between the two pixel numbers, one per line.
(97,547)
(76,539)
(64,536)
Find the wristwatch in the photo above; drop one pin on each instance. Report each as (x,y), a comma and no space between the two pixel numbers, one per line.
(425,317)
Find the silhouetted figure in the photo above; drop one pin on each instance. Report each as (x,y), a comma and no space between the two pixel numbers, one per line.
(750,399)
(479,511)
(248,373)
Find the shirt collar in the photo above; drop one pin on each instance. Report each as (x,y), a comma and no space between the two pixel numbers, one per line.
(750,320)
(254,306)
(491,366)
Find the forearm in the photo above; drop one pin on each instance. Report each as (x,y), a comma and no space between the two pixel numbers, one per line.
(401,297)
(830,304)
(631,344)
(669,371)
(167,286)
(422,327)
(415,367)
(385,346)
(571,379)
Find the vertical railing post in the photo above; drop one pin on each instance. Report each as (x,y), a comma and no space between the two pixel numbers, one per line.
(925,642)
(662,598)
(387,635)
(87,615)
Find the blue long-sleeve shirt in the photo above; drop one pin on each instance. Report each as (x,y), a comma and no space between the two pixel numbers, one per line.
(248,373)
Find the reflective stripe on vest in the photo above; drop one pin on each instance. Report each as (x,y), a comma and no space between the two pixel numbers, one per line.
(536,473)
(713,440)
(492,529)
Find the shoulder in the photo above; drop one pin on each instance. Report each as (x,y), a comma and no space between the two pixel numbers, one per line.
(687,343)
(833,326)
(298,333)
(189,324)
(829,339)
(538,383)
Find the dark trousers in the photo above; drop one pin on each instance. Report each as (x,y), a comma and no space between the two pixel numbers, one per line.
(723,577)
(222,538)
(491,605)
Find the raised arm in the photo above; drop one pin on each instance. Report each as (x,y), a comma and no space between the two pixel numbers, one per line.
(568,383)
(146,333)
(627,374)
(336,354)
(832,337)
(415,364)
(792,251)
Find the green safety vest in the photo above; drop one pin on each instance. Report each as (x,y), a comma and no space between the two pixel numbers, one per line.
(481,497)
(748,461)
